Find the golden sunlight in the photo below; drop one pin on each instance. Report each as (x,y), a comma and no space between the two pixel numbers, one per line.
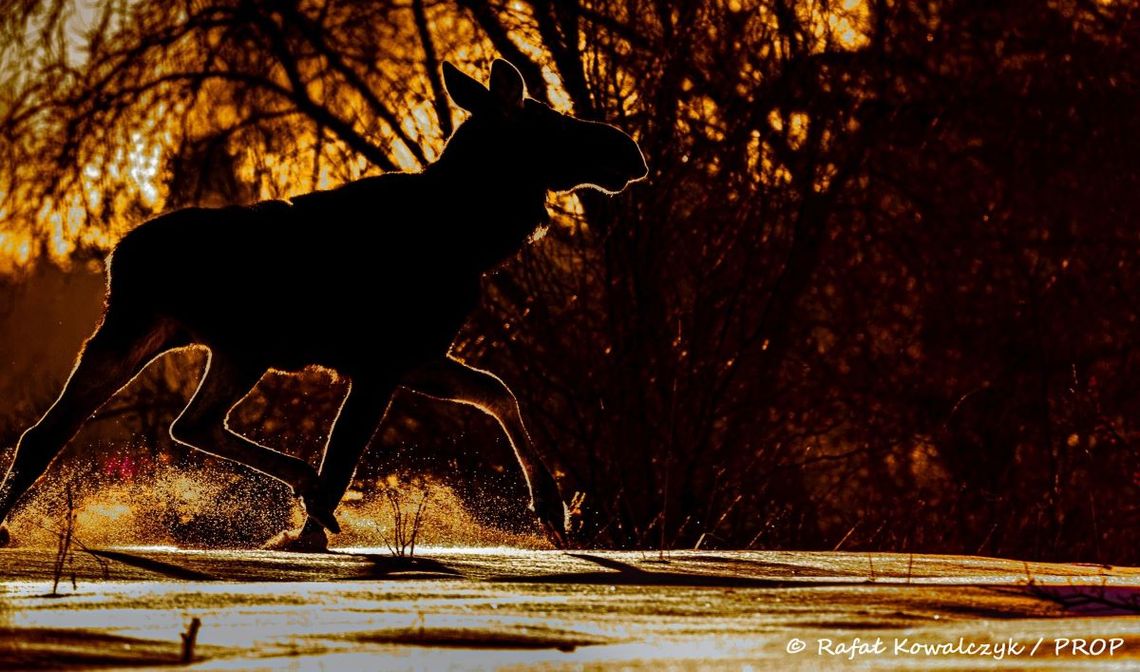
(126,179)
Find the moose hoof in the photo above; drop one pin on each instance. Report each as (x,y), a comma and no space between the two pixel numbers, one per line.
(5,536)
(552,517)
(554,535)
(304,540)
(315,509)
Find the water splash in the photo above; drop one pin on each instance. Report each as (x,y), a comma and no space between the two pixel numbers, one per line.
(202,507)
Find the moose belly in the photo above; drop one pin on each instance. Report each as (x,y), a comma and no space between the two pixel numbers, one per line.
(260,287)
(386,328)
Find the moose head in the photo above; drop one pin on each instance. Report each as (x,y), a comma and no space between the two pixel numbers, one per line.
(523,139)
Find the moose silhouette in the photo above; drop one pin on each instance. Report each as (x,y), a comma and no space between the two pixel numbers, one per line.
(372,279)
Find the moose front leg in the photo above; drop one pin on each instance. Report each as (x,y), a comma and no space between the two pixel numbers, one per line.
(451,380)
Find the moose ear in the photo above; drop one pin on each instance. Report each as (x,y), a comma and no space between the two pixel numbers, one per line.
(464,90)
(507,87)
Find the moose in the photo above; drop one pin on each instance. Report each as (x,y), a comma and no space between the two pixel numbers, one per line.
(372,279)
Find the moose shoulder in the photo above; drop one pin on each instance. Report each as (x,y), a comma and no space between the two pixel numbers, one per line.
(372,279)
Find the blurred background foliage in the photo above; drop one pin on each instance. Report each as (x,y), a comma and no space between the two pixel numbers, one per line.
(879,292)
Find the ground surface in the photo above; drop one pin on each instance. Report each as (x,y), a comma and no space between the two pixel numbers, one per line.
(499,608)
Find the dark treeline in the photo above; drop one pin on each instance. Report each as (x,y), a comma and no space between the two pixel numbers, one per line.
(881,290)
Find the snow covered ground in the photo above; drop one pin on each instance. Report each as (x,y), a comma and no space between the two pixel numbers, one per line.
(498,608)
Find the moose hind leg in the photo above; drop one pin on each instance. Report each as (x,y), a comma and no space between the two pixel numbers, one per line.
(110,358)
(451,380)
(202,426)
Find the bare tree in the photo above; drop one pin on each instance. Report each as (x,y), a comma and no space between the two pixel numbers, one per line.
(883,276)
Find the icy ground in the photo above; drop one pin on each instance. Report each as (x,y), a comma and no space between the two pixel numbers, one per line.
(504,608)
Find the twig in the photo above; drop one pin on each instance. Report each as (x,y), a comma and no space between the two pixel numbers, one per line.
(103,563)
(63,552)
(189,639)
(405,528)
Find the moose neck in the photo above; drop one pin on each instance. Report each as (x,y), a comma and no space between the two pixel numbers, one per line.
(496,206)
